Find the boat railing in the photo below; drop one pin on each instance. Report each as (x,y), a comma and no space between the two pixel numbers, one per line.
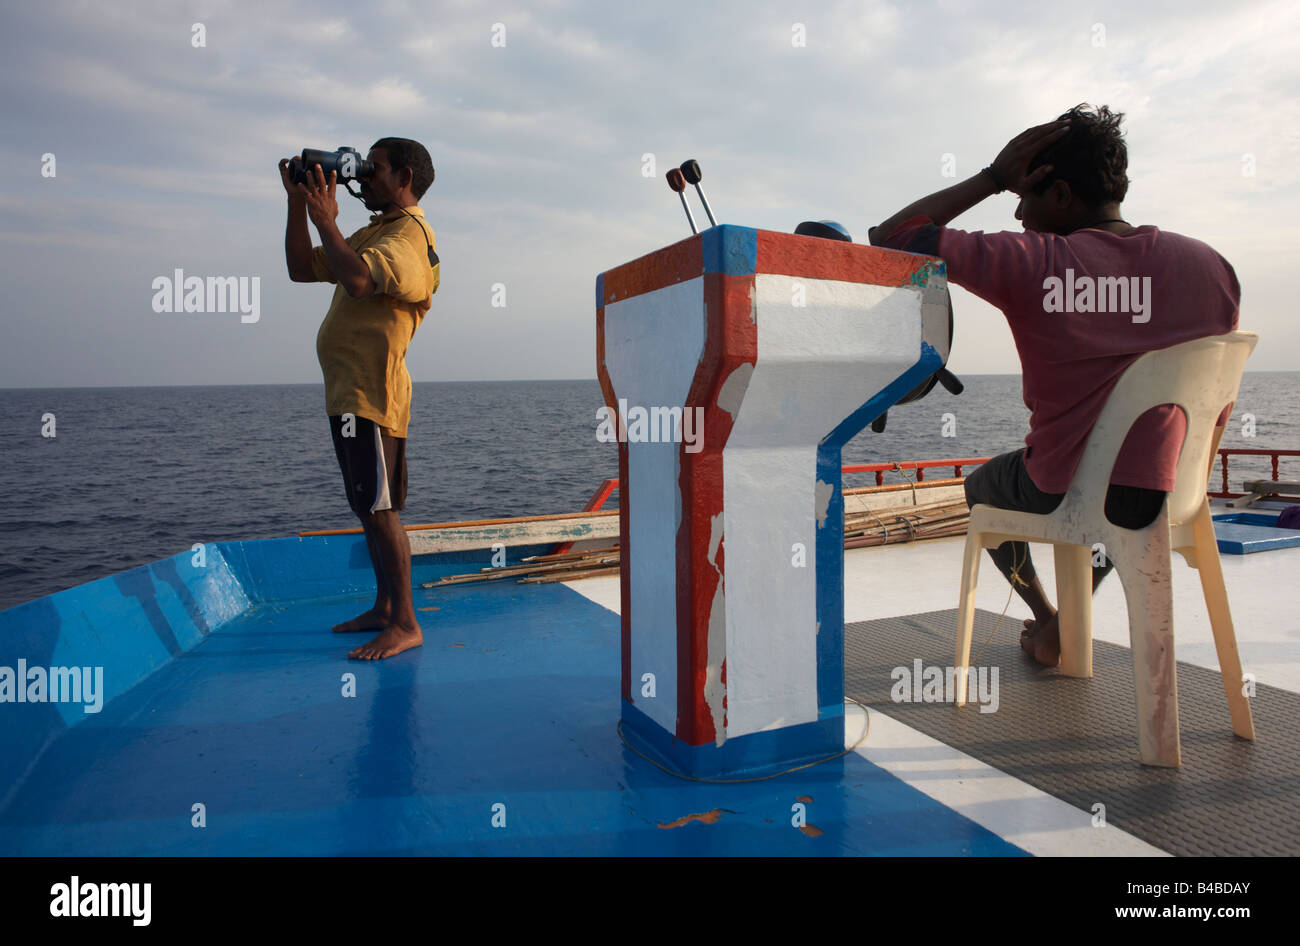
(920,466)
(1224,452)
(903,468)
(607,487)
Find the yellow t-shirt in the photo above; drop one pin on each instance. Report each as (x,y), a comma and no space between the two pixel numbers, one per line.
(362,343)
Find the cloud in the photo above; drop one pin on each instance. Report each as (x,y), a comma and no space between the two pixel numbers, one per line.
(166,150)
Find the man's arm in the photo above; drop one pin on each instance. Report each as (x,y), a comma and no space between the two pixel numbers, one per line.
(297,241)
(1008,167)
(349,269)
(941,206)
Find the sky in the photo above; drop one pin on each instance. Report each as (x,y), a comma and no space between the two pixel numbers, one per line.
(542,119)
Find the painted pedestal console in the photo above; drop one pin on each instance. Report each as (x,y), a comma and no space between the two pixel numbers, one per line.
(739,362)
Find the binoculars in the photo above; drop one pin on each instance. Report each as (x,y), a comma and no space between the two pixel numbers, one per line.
(347,162)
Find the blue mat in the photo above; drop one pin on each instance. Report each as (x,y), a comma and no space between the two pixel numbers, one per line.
(1241,533)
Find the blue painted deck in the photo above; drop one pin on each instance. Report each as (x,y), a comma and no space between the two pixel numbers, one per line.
(236,703)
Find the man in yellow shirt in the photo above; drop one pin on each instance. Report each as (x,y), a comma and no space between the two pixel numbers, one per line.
(386,273)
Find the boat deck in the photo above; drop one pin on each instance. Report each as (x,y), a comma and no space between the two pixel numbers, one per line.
(498,735)
(512,701)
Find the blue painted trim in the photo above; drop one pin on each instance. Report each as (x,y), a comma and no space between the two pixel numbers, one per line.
(124,627)
(600,291)
(830,537)
(830,588)
(757,753)
(295,569)
(730,250)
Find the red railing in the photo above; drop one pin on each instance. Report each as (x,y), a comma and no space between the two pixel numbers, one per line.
(880,469)
(1224,493)
(607,487)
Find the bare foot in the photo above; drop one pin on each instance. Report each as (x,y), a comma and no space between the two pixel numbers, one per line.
(1042,642)
(393,640)
(372,620)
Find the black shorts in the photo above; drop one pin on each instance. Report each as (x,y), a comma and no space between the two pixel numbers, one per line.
(373,465)
(1005,483)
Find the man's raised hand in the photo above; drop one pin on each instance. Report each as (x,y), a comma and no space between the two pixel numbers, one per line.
(1012,161)
(290,187)
(322,208)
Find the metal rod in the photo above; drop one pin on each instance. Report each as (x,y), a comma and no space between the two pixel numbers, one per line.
(693,175)
(704,200)
(678,183)
(687,208)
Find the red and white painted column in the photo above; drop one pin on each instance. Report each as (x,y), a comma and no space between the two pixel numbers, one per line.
(774,350)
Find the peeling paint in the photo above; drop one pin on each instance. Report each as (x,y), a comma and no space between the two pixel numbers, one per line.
(708,817)
(715,691)
(923,274)
(823,499)
(733,389)
(806,799)
(715,540)
(812,830)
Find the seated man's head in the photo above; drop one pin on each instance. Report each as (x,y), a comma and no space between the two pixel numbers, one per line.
(403,172)
(1089,175)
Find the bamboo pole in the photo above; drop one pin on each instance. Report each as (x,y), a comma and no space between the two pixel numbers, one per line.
(590,573)
(567,556)
(510,571)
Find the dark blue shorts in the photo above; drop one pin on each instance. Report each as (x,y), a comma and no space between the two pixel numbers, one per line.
(373,465)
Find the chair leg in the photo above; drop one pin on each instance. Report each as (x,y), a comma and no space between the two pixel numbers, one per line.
(1148,588)
(1074,594)
(1225,638)
(970,572)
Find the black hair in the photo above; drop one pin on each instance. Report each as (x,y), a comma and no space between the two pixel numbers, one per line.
(1092,157)
(405,153)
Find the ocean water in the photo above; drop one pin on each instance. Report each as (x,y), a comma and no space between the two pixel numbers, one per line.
(133,475)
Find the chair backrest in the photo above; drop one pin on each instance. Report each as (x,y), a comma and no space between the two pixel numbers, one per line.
(1201,377)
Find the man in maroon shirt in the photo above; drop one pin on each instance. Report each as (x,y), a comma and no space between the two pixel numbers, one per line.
(1085,294)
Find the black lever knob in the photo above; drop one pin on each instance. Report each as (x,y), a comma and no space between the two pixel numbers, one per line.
(950,381)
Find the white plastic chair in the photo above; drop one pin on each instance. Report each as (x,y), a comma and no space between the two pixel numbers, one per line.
(1201,376)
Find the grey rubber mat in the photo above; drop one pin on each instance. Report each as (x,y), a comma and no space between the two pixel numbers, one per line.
(1077,739)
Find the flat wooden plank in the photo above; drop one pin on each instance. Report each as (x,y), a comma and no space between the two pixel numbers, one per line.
(538,531)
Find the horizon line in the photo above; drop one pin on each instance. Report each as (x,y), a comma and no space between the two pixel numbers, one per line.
(321,384)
